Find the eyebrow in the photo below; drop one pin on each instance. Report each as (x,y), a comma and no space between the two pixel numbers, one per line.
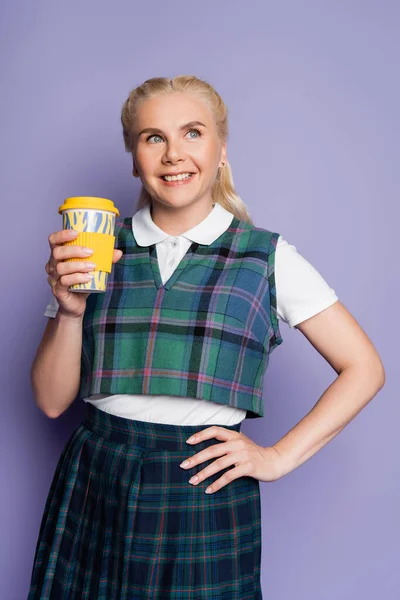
(186,125)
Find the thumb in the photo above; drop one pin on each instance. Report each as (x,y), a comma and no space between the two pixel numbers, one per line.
(117,255)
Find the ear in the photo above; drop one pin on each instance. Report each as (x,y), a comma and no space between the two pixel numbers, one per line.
(223,159)
(134,170)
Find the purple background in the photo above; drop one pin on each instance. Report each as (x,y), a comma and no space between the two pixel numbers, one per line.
(313,95)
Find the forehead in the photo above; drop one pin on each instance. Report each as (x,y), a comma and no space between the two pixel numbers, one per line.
(172,110)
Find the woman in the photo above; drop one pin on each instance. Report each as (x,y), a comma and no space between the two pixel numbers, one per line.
(177,346)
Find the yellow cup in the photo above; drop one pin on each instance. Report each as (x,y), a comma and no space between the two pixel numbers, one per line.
(94,218)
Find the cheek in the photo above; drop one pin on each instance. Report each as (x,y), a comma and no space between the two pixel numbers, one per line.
(146,164)
(146,155)
(207,161)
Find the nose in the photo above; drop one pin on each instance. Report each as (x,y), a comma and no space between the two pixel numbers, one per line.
(174,152)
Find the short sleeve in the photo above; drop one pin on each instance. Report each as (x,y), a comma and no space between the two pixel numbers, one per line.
(52,308)
(301,290)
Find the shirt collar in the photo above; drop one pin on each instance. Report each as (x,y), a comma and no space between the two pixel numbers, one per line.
(146,232)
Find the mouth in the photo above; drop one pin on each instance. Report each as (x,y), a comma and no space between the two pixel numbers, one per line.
(178,182)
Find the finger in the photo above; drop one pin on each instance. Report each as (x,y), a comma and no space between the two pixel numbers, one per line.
(207,454)
(60,237)
(63,267)
(239,471)
(66,281)
(217,465)
(60,252)
(215,431)
(117,255)
(75,266)
(51,281)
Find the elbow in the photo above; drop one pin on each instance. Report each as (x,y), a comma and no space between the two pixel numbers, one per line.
(382,378)
(372,371)
(51,414)
(377,373)
(42,406)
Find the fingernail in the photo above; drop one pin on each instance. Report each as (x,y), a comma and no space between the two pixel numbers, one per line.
(191,439)
(72,232)
(87,251)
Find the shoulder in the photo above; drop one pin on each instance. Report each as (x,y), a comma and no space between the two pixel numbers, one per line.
(288,255)
(264,239)
(302,291)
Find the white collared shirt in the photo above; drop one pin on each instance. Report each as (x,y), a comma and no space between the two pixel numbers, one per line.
(301,293)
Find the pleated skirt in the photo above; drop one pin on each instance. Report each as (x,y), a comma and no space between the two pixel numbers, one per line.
(122,522)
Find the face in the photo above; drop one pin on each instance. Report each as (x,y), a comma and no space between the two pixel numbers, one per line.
(176,133)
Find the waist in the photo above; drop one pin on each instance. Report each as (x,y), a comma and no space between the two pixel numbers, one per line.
(169,409)
(151,435)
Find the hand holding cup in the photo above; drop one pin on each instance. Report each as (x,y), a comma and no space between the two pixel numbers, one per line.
(62,275)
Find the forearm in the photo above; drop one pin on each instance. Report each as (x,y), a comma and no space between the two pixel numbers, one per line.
(55,372)
(338,405)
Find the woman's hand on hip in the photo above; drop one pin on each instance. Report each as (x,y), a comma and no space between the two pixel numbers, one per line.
(249,458)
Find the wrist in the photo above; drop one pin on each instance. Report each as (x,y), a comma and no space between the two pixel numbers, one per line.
(282,462)
(68,318)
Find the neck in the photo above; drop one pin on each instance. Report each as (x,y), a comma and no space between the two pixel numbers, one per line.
(175,221)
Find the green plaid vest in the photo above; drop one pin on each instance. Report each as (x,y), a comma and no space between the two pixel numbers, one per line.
(206,333)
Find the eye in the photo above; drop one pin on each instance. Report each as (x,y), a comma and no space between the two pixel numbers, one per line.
(198,131)
(159,136)
(150,136)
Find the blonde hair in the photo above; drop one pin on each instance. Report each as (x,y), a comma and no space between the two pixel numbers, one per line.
(223,189)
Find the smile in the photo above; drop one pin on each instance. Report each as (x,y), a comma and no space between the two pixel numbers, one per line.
(178,180)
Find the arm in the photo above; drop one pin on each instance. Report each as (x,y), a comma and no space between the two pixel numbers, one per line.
(55,371)
(337,336)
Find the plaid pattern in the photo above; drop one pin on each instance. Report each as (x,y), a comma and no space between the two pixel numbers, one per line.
(207,333)
(121,521)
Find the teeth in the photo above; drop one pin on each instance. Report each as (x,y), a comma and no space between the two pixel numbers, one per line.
(176,177)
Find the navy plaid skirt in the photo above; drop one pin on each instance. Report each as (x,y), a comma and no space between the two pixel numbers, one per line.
(122,522)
